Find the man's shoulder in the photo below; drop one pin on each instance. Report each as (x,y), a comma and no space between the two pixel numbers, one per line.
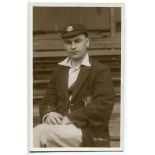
(59,69)
(98,65)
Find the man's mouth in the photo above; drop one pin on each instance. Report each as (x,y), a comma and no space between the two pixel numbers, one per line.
(74,53)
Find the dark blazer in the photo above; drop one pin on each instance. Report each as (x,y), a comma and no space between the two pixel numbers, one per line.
(91,105)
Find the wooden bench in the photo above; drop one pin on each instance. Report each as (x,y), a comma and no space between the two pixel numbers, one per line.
(48,51)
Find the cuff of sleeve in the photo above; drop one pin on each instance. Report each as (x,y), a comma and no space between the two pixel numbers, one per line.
(43,120)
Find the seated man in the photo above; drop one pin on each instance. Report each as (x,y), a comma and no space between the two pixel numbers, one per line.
(79,99)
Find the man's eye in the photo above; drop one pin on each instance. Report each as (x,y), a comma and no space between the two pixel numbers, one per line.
(67,42)
(78,40)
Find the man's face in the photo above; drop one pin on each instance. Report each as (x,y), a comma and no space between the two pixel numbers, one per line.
(76,47)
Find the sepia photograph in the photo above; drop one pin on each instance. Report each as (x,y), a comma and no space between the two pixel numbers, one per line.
(76,77)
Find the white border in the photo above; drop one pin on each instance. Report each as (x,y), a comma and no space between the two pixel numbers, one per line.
(30,74)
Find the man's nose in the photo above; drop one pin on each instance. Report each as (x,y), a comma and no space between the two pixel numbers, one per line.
(73,45)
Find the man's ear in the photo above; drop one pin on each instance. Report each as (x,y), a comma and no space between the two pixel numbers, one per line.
(87,42)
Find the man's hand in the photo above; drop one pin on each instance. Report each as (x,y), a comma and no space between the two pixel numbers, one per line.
(53,118)
(66,121)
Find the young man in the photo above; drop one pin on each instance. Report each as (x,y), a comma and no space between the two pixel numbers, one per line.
(79,99)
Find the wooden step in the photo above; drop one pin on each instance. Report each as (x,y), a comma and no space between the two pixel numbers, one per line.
(114,70)
(52,64)
(116,110)
(40,92)
(42,84)
(46,81)
(62,53)
(53,41)
(38,99)
(114,117)
(45,70)
(112,61)
(92,34)
(95,43)
(103,57)
(55,62)
(114,143)
(43,74)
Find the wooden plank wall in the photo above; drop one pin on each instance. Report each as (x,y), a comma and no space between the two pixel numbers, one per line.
(48,50)
(55,18)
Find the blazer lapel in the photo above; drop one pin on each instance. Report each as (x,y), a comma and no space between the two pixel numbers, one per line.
(64,80)
(83,74)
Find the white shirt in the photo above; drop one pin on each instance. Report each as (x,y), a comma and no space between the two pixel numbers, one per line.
(74,71)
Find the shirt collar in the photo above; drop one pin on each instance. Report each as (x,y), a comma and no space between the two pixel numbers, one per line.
(67,62)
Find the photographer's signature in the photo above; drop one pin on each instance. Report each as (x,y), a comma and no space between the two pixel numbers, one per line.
(99,139)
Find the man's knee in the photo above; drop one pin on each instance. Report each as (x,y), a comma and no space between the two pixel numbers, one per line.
(41,127)
(57,135)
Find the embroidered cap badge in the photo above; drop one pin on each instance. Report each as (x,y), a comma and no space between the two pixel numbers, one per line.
(70,28)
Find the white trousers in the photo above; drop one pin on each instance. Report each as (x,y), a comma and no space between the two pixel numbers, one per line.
(47,135)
